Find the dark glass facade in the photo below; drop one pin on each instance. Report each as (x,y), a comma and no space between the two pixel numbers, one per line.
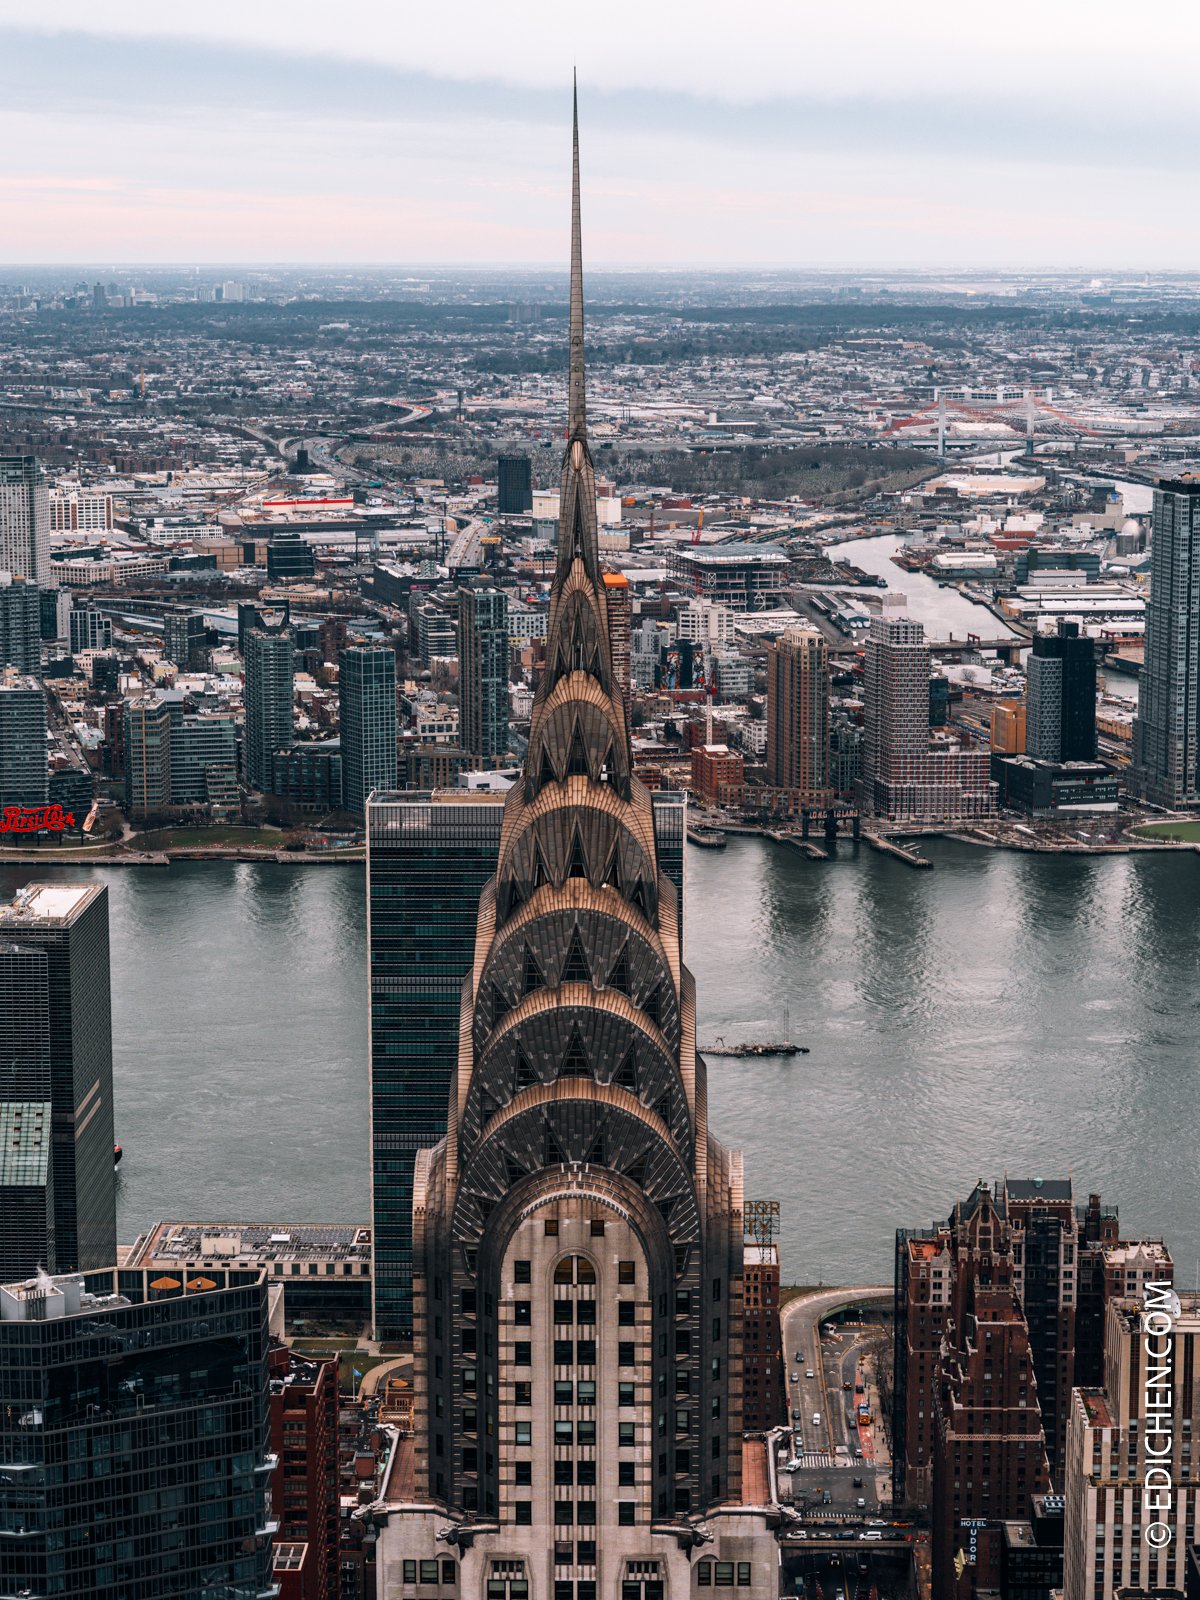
(514,485)
(367,696)
(429,856)
(26,1169)
(483,673)
(133,1439)
(69,922)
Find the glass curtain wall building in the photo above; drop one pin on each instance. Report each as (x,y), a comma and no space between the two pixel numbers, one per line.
(134,1437)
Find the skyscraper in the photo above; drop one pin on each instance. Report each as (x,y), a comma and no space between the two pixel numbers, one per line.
(904,776)
(1166,730)
(798,711)
(20,624)
(24,773)
(577,1249)
(1132,1499)
(514,485)
(135,1451)
(147,747)
(483,673)
(68,922)
(268,698)
(26,1169)
(24,519)
(429,856)
(1060,715)
(367,697)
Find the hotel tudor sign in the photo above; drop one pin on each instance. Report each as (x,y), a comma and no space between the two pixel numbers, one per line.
(760,1220)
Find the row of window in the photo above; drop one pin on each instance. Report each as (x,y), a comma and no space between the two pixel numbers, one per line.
(428,1572)
(722,1574)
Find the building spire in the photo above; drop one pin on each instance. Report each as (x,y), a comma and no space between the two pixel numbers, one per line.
(576,417)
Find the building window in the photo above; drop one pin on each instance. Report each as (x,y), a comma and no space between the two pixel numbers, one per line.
(524,1430)
(523,1513)
(564,1392)
(743,1574)
(574,1269)
(429,1572)
(449,1572)
(585,1472)
(597,1228)
(625,1356)
(585,1513)
(522,1394)
(585,1392)
(704,1575)
(625,1394)
(626,1272)
(563,1513)
(585,1433)
(563,1591)
(522,1353)
(564,1311)
(625,1473)
(626,1313)
(410,1572)
(563,1352)
(586,1557)
(564,1472)
(585,1311)
(625,1435)
(524,1472)
(552,1227)
(523,1313)
(724,1574)
(626,1513)
(586,1353)
(522,1271)
(564,1433)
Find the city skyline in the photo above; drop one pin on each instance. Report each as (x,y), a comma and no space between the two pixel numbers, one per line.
(916,139)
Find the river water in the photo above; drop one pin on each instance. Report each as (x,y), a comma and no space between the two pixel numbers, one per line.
(1004,1012)
(945,613)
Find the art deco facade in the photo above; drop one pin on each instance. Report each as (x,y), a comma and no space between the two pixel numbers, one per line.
(577,1235)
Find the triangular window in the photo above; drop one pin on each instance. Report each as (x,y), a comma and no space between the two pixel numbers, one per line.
(552,1152)
(663,1108)
(540,874)
(577,865)
(513,1170)
(651,1005)
(575,967)
(525,1075)
(531,977)
(626,1075)
(596,1156)
(577,761)
(500,1006)
(636,1172)
(575,1063)
(618,978)
(546,773)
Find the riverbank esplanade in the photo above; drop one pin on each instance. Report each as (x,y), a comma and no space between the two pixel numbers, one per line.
(577,1235)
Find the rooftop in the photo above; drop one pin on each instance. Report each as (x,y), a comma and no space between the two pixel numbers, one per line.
(47,902)
(234,1242)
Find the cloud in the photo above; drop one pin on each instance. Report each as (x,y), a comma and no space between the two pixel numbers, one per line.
(254,133)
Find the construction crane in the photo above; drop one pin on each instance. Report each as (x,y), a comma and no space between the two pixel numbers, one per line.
(699,529)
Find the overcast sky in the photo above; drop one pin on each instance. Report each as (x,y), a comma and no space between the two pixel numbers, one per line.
(938,133)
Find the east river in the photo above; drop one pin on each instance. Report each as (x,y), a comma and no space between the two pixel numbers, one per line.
(1004,1012)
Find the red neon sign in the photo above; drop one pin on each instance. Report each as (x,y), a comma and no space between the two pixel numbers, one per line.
(21,819)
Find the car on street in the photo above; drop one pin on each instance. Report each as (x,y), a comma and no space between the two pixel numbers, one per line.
(795,1377)
(858,1483)
(798,1357)
(861,1503)
(816,1419)
(810,1373)
(793,1464)
(795,1413)
(873,1533)
(847,1384)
